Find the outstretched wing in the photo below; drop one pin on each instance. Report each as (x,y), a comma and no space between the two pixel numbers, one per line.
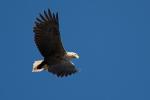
(47,35)
(64,68)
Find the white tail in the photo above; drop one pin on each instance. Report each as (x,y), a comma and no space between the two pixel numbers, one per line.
(35,65)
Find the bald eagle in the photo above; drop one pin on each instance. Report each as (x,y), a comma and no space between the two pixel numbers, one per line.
(48,41)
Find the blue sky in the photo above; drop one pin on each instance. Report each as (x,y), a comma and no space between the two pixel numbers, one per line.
(111,37)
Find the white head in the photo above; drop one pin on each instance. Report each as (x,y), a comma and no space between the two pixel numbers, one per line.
(71,55)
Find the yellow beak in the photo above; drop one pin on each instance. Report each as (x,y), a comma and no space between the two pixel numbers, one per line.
(77,56)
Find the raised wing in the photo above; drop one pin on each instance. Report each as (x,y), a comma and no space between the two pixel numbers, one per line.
(47,35)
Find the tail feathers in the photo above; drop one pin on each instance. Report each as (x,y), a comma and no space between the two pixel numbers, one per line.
(36,66)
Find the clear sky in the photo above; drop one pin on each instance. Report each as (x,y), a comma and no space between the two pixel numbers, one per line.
(112,38)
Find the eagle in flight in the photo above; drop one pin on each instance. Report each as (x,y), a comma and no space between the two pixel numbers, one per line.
(48,41)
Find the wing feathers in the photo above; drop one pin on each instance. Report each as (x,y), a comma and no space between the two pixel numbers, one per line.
(38,20)
(47,36)
(43,18)
(49,13)
(57,18)
(46,16)
(63,69)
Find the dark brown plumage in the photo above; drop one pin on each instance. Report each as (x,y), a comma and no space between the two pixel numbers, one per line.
(48,41)
(47,37)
